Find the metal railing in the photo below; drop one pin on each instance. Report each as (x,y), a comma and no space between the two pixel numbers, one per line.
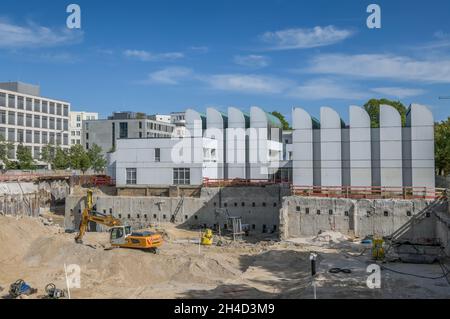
(370,192)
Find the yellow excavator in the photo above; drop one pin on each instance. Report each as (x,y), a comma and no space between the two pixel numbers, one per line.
(121,236)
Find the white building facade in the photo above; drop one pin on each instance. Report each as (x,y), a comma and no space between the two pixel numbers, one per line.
(32,120)
(76,125)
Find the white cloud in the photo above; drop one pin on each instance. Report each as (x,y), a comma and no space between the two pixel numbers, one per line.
(321,89)
(245,83)
(33,36)
(199,49)
(252,61)
(172,75)
(382,66)
(147,56)
(305,38)
(398,92)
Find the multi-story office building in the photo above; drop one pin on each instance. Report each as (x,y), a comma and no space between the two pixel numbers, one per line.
(122,125)
(76,122)
(32,120)
(178,119)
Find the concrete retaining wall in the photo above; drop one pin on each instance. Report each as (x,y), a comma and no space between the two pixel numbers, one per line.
(258,206)
(307,216)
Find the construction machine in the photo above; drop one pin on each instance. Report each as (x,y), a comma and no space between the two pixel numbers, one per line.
(120,235)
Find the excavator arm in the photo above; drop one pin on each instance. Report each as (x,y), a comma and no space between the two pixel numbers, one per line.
(89,215)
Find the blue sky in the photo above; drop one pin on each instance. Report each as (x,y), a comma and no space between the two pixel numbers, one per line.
(163,56)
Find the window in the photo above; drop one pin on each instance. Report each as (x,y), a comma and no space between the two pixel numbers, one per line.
(78,118)
(318,212)
(307,210)
(386,213)
(123,130)
(52,123)
(87,146)
(44,137)
(29,136)
(44,122)
(65,125)
(297,208)
(44,107)
(37,153)
(29,104)
(87,136)
(58,138)
(58,109)
(52,108)
(37,121)
(66,110)
(131,176)
(20,103)
(65,139)
(11,118)
(2,99)
(20,119)
(37,137)
(12,101)
(11,135)
(181,176)
(58,124)
(20,136)
(140,125)
(346,213)
(52,138)
(37,105)
(330,212)
(157,155)
(2,117)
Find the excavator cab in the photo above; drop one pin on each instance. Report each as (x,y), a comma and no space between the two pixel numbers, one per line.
(119,233)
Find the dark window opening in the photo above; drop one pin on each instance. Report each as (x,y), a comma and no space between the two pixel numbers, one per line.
(330,212)
(274,204)
(242,204)
(253,204)
(318,212)
(297,208)
(264,204)
(307,210)
(346,213)
(386,213)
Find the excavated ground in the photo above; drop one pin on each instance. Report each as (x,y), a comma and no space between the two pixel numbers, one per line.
(268,269)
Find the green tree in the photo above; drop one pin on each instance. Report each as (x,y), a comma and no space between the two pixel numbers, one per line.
(98,161)
(78,158)
(48,154)
(373,108)
(442,147)
(5,149)
(60,159)
(282,119)
(24,157)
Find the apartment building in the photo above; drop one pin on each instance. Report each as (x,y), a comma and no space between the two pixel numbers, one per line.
(30,119)
(122,125)
(76,122)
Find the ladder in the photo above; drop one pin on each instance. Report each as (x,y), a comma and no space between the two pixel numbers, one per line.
(177,210)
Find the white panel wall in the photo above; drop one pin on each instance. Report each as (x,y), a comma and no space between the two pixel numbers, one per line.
(237,146)
(258,151)
(391,174)
(330,147)
(216,130)
(360,147)
(194,123)
(302,148)
(419,168)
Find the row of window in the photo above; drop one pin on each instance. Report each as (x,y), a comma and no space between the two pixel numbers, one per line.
(181,176)
(35,151)
(36,137)
(36,105)
(368,213)
(242,204)
(30,120)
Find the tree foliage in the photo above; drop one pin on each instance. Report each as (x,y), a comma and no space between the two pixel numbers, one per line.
(24,158)
(373,108)
(442,146)
(78,158)
(97,160)
(5,149)
(282,119)
(60,158)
